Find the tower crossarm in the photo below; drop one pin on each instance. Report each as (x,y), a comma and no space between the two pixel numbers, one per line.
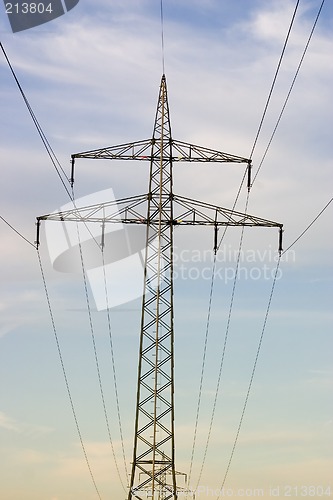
(138,150)
(193,212)
(186,212)
(142,150)
(133,210)
(130,209)
(183,151)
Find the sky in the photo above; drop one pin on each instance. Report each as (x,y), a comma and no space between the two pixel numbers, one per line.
(92,79)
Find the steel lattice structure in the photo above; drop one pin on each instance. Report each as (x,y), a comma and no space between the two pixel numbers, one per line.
(153,468)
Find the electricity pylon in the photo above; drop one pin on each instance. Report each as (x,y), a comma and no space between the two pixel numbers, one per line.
(153,472)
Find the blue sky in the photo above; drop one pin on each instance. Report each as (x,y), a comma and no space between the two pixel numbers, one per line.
(92,79)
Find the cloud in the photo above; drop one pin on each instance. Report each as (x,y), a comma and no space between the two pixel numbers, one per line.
(12,425)
(8,423)
(320,379)
(27,300)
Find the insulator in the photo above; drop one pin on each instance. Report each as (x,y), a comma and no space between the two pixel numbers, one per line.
(72,171)
(103,235)
(249,171)
(280,240)
(37,233)
(215,238)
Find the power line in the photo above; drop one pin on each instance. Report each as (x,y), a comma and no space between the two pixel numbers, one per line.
(252,374)
(46,143)
(274,81)
(114,366)
(212,281)
(111,350)
(154,442)
(234,205)
(290,90)
(59,169)
(280,254)
(65,374)
(224,348)
(308,227)
(17,232)
(40,131)
(203,364)
(99,375)
(255,142)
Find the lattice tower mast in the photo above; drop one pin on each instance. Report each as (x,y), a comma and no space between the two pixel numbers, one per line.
(153,472)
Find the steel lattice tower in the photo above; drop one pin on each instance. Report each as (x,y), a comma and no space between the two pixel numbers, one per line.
(154,443)
(153,472)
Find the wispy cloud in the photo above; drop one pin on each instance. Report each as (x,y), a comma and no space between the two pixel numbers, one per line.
(12,425)
(8,423)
